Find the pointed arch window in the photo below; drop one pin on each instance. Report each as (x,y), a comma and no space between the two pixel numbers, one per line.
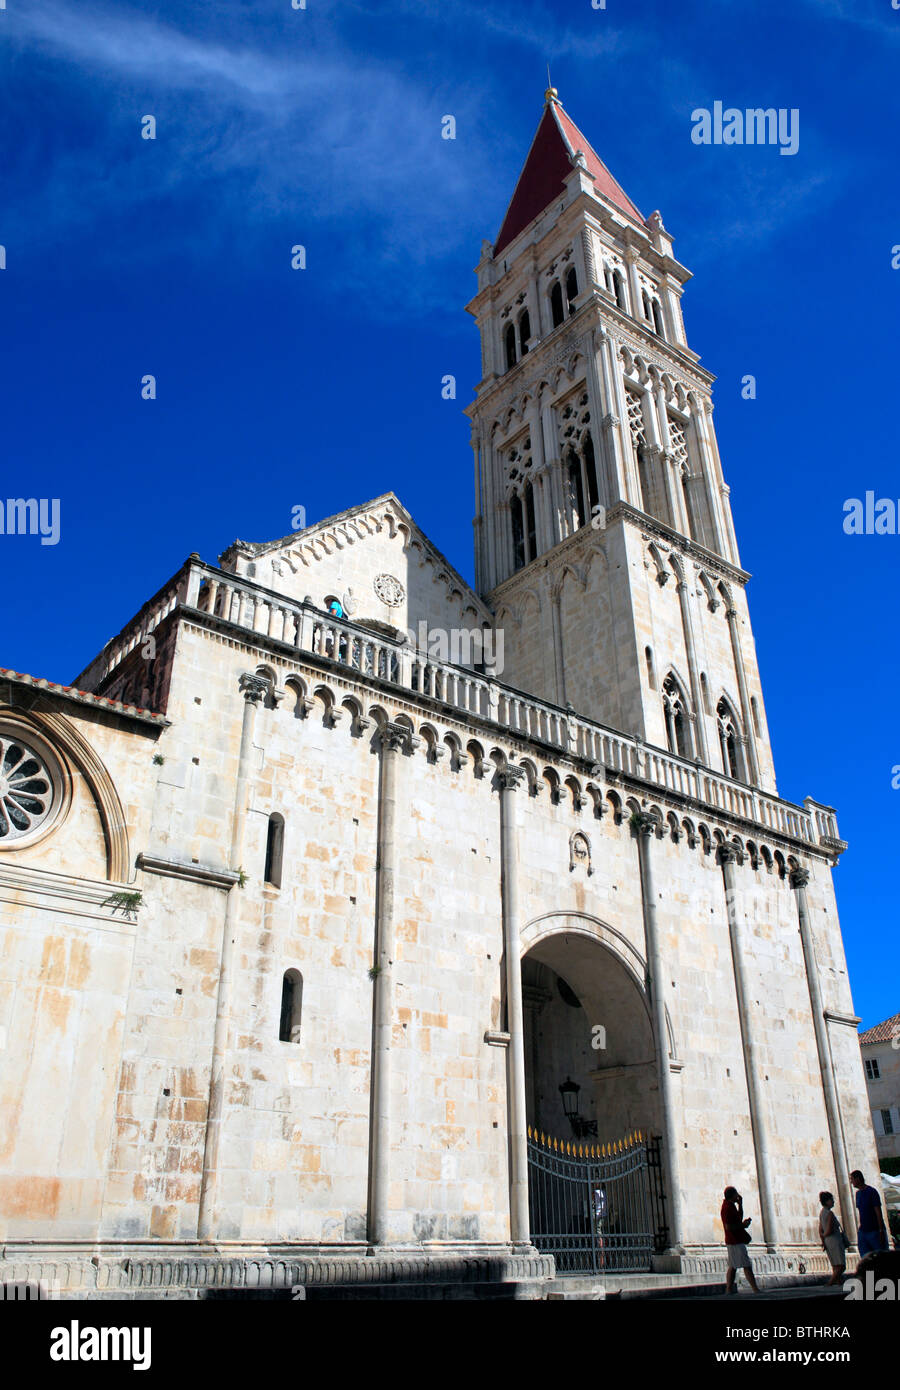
(677,724)
(524,332)
(619,289)
(509,339)
(576,489)
(645,300)
(729,739)
(657,318)
(518,531)
(571,288)
(291,1006)
(557,312)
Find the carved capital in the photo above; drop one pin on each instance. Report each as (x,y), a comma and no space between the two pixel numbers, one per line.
(728,854)
(253,688)
(396,738)
(799,877)
(643,823)
(610,421)
(510,777)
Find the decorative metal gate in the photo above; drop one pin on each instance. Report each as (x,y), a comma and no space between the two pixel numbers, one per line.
(596,1208)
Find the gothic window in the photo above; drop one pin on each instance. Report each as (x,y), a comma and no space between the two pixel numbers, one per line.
(576,490)
(274,850)
(683,467)
(651,501)
(590,468)
(676,718)
(556,304)
(524,331)
(518,531)
(571,288)
(704,691)
(657,318)
(607,277)
(291,1006)
(510,340)
(729,738)
(619,289)
(651,674)
(645,300)
(530,524)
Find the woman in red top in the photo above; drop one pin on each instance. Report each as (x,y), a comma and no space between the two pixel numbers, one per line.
(736,1238)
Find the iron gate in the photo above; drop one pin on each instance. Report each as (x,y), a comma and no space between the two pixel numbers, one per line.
(596,1208)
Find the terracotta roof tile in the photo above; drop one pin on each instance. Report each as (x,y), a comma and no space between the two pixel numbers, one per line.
(882,1032)
(547,165)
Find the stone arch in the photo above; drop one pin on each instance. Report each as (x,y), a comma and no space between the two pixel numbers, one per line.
(586,926)
(65,739)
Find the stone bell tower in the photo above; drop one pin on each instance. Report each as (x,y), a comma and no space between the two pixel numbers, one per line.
(603,532)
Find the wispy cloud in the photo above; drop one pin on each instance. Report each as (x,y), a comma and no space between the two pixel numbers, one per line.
(320,134)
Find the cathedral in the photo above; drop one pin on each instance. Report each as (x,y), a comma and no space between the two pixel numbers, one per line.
(367,932)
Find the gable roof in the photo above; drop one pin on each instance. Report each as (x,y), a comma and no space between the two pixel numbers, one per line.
(882,1032)
(319,538)
(548,164)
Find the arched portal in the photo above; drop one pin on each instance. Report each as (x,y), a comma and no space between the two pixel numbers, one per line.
(587,1022)
(596,1195)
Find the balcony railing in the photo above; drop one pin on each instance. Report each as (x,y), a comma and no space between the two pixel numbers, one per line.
(308,629)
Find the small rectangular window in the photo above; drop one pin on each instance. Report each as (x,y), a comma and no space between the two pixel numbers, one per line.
(872,1071)
(887,1122)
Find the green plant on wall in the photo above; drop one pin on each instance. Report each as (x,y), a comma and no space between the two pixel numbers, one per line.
(126,903)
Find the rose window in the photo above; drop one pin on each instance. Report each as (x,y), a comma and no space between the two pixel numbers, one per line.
(389,590)
(26,789)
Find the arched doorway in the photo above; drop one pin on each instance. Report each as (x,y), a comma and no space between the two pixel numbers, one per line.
(592,1098)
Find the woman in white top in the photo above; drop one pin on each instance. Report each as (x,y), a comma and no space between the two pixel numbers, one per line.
(833,1242)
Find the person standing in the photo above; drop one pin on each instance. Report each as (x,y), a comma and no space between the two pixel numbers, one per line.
(871,1229)
(736,1239)
(834,1242)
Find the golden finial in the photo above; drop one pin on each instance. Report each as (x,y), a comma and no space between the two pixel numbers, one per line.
(551,93)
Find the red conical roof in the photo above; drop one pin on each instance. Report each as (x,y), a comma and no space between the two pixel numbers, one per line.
(547,165)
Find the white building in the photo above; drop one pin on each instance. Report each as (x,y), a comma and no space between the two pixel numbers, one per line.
(303,927)
(880,1048)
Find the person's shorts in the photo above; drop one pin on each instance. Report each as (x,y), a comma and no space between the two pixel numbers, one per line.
(738,1257)
(869,1241)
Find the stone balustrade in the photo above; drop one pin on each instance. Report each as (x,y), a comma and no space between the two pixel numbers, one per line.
(308,629)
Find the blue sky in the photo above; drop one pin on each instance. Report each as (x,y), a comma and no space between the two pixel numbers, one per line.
(321,387)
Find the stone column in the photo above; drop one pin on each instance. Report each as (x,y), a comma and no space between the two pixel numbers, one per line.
(508,779)
(702,748)
(557,627)
(253,689)
(759,1123)
(799,880)
(645,826)
(746,712)
(395,738)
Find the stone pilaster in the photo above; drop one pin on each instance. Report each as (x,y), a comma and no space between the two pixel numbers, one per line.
(254,690)
(799,881)
(508,780)
(395,740)
(759,1119)
(645,828)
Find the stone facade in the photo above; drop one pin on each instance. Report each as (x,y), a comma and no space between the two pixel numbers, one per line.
(309,923)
